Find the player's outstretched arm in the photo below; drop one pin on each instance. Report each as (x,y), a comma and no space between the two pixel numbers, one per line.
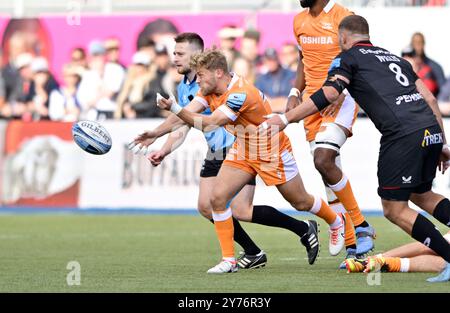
(318,101)
(141,143)
(205,123)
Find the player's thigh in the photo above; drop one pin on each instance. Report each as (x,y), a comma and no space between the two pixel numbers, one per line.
(294,192)
(229,182)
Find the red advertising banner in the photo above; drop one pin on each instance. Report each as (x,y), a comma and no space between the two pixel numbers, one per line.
(40,165)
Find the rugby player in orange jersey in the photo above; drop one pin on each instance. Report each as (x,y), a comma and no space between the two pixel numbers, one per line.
(240,107)
(316,31)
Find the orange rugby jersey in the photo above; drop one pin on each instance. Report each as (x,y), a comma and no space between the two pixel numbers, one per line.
(245,106)
(317,38)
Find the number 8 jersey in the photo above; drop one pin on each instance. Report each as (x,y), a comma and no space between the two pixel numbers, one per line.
(387,93)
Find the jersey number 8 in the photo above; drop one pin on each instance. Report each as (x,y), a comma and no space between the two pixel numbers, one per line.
(399,76)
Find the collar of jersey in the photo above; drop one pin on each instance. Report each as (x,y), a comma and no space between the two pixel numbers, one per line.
(187,82)
(329,6)
(234,79)
(366,43)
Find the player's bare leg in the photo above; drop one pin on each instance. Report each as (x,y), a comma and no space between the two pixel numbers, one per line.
(295,193)
(229,182)
(326,152)
(435,204)
(421,229)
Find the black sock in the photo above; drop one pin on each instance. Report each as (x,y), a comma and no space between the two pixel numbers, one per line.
(363,224)
(442,212)
(243,239)
(425,232)
(353,246)
(269,216)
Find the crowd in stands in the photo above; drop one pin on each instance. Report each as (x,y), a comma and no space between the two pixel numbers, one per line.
(95,85)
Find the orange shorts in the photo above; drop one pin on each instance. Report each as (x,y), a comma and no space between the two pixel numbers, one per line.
(275,172)
(345,117)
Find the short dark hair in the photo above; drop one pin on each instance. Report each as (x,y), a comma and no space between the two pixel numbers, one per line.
(252,34)
(355,24)
(192,38)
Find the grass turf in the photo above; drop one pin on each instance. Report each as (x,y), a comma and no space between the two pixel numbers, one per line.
(171,253)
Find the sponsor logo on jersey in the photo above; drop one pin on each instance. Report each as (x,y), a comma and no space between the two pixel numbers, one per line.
(322,40)
(406,180)
(327,26)
(408,98)
(431,139)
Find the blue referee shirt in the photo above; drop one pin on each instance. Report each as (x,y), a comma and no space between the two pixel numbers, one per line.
(216,139)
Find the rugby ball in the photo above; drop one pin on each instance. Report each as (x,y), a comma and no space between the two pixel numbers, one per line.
(91,137)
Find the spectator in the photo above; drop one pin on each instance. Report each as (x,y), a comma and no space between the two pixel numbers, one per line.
(444,98)
(422,69)
(112,46)
(289,56)
(277,82)
(227,37)
(99,85)
(64,104)
(163,81)
(147,46)
(78,57)
(41,86)
(244,68)
(135,99)
(17,76)
(418,44)
(249,47)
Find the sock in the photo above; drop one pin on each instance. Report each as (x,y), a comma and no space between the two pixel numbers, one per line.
(269,216)
(343,190)
(425,232)
(223,223)
(350,238)
(322,210)
(397,264)
(243,239)
(442,212)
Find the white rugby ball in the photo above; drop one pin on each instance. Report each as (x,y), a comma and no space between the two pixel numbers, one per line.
(91,137)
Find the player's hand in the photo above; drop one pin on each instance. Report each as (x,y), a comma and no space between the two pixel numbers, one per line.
(331,109)
(292,103)
(273,125)
(163,103)
(444,159)
(141,143)
(156,157)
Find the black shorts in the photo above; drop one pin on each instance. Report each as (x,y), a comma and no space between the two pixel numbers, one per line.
(408,165)
(211,166)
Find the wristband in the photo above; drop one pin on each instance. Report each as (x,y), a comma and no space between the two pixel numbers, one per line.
(175,108)
(284,119)
(294,92)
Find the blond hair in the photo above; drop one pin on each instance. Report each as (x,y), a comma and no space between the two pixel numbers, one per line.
(210,59)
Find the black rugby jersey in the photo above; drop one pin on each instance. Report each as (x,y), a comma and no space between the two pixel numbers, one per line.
(383,84)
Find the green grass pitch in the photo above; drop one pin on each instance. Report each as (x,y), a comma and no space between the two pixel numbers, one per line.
(171,253)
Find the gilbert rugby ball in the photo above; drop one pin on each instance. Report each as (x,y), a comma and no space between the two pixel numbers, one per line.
(91,137)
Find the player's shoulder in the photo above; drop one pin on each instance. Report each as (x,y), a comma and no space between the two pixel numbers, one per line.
(339,12)
(301,16)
